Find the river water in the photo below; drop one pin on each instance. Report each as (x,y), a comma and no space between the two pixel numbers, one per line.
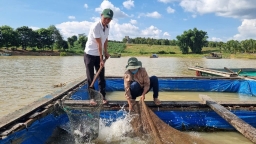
(24,79)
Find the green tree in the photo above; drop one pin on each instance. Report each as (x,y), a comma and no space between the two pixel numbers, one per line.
(124,40)
(183,44)
(233,46)
(193,39)
(149,41)
(245,45)
(64,45)
(71,40)
(82,41)
(45,38)
(8,36)
(1,38)
(25,36)
(252,45)
(57,37)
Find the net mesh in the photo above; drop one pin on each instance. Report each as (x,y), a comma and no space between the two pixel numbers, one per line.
(148,126)
(84,121)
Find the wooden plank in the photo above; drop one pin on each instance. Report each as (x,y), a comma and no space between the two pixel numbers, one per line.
(215,72)
(85,103)
(182,77)
(77,102)
(229,70)
(244,128)
(248,78)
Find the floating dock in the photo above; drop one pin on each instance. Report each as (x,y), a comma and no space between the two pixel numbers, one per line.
(212,72)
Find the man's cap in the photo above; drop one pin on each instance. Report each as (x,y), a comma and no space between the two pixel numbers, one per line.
(107,13)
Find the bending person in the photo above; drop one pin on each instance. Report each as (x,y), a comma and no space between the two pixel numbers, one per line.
(138,83)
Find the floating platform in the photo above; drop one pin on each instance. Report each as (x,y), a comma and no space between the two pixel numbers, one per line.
(42,117)
(212,72)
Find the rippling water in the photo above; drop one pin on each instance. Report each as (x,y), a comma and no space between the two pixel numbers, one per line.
(24,79)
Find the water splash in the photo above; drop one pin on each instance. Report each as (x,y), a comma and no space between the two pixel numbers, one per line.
(118,131)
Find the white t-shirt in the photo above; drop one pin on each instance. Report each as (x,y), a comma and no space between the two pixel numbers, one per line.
(96,31)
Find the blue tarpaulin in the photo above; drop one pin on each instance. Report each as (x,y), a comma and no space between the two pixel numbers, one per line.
(42,129)
(245,87)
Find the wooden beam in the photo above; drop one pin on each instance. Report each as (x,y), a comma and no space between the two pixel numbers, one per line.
(244,128)
(215,72)
(77,102)
(85,103)
(229,70)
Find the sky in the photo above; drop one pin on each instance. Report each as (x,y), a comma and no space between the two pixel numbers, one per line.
(223,20)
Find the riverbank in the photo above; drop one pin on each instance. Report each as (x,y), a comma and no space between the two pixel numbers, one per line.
(19,52)
(136,50)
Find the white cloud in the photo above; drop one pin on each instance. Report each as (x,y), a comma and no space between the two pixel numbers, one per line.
(167,1)
(166,34)
(152,32)
(34,28)
(107,4)
(227,8)
(132,21)
(117,32)
(247,30)
(85,5)
(128,4)
(215,39)
(154,14)
(170,10)
(71,17)
(68,29)
(194,16)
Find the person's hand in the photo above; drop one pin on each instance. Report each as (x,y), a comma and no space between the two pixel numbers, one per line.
(131,102)
(142,97)
(107,55)
(101,63)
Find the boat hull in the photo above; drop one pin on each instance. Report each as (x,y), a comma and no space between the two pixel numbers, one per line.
(210,57)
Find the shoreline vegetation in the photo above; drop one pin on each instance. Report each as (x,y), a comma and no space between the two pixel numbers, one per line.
(142,50)
(191,43)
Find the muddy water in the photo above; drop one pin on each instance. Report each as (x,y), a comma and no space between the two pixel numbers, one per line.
(24,79)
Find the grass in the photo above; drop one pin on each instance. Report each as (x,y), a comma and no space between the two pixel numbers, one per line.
(174,51)
(162,51)
(165,51)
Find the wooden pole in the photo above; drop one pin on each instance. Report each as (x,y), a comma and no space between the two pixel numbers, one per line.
(244,128)
(229,70)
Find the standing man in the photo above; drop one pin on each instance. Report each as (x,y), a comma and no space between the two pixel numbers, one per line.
(96,49)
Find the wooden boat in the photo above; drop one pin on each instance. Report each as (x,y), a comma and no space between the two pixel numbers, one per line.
(5,54)
(214,56)
(247,72)
(154,56)
(115,55)
(40,118)
(225,72)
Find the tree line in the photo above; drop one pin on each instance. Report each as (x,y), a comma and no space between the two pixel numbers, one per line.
(42,39)
(195,40)
(50,38)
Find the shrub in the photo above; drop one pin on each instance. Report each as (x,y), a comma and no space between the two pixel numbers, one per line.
(162,52)
(63,54)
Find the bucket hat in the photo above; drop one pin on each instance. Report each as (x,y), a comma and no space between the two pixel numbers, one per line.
(133,63)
